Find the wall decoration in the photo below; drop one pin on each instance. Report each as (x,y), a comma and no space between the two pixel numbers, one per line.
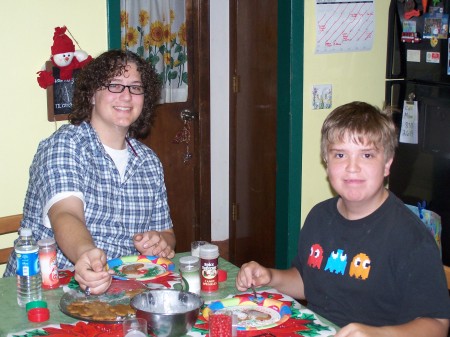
(59,74)
(322,96)
(344,25)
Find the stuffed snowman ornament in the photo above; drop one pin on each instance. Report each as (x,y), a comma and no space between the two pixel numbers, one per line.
(65,60)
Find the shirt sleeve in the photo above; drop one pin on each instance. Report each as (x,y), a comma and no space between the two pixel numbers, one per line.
(58,197)
(422,284)
(56,169)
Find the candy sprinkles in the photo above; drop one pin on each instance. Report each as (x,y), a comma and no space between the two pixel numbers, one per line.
(252,317)
(220,325)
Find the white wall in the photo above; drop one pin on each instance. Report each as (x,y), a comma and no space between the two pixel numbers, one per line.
(219,45)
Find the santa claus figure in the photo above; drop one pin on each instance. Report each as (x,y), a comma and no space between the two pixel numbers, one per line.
(65,60)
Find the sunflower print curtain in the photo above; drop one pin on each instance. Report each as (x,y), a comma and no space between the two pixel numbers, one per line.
(156,30)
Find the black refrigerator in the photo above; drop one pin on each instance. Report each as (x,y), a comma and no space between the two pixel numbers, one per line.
(418,70)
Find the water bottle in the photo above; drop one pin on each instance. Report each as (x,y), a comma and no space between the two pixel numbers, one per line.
(28,270)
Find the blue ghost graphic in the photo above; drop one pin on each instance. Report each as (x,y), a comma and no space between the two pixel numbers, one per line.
(337,262)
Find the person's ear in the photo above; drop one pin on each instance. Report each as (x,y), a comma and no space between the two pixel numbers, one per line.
(387,167)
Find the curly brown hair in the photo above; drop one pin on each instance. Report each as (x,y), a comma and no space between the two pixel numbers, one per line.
(99,73)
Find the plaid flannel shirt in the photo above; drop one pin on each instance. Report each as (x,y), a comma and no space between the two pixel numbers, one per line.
(73,159)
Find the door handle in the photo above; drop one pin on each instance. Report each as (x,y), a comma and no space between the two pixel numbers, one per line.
(184,135)
(187,115)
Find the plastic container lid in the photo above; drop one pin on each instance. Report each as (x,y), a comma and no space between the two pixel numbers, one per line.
(46,242)
(189,263)
(35,304)
(38,315)
(209,251)
(189,260)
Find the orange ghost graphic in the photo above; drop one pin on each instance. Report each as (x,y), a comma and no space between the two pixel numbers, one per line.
(360,266)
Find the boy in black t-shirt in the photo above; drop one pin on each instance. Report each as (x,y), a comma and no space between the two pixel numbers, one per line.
(364,261)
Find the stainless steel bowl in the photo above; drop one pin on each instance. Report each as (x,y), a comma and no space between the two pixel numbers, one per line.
(169,313)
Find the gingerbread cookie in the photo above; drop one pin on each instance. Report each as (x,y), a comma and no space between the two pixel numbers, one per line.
(100,311)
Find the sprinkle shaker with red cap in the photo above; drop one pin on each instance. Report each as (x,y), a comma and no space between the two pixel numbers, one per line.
(209,258)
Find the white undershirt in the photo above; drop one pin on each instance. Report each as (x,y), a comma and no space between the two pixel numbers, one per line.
(120,159)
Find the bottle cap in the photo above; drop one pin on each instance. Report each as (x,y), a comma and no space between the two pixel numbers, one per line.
(189,260)
(38,315)
(189,263)
(209,251)
(35,304)
(222,275)
(46,242)
(25,231)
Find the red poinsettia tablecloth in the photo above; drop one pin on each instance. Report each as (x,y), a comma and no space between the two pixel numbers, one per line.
(303,322)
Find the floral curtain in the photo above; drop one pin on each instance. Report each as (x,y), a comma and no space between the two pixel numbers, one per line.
(156,30)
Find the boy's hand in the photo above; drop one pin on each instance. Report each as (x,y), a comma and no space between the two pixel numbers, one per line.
(252,274)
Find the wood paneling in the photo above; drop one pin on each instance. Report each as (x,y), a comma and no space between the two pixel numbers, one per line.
(253,130)
(8,224)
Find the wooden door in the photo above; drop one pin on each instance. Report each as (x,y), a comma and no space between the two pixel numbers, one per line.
(187,181)
(253,64)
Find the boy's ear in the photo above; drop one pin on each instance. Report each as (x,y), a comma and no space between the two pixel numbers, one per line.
(387,166)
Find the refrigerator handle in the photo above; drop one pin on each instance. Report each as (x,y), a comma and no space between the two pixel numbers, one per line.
(395,68)
(390,42)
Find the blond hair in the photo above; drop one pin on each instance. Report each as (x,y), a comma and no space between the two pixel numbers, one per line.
(362,123)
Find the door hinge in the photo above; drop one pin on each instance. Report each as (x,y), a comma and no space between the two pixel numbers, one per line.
(235,212)
(236,83)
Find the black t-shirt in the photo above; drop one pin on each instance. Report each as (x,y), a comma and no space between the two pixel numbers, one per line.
(384,269)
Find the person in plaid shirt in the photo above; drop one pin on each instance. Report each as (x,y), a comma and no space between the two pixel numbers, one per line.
(93,186)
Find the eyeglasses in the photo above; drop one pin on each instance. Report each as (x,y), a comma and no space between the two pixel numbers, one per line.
(118,88)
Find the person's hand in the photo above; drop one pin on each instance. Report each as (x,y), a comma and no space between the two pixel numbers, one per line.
(418,327)
(153,243)
(91,271)
(252,273)
(360,330)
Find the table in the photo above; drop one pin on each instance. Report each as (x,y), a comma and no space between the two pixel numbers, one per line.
(14,319)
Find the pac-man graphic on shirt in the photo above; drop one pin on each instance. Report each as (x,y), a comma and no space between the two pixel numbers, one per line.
(360,267)
(316,256)
(337,261)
